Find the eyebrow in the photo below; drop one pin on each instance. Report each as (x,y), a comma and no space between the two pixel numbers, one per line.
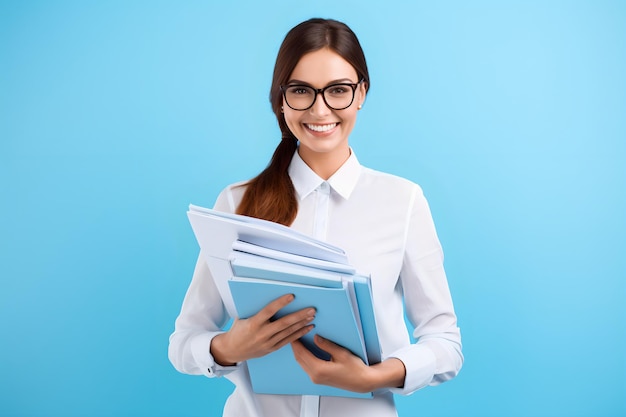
(339,81)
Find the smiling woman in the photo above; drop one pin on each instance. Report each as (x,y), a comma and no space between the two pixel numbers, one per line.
(321,130)
(271,194)
(315,184)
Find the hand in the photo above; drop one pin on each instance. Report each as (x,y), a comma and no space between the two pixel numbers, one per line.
(257,336)
(346,370)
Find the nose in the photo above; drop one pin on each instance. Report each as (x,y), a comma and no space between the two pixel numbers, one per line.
(319,107)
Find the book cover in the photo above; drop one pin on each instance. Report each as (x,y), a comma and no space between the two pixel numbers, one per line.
(278,372)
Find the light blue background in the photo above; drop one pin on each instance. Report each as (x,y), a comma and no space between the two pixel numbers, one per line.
(114,116)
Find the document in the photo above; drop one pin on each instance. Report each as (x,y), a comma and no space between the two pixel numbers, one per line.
(227,227)
(254,262)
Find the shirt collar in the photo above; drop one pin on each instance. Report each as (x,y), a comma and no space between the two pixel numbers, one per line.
(305,180)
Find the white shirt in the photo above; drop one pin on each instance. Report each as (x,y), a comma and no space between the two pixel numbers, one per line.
(384,224)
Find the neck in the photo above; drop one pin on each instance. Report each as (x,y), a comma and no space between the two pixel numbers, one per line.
(325,164)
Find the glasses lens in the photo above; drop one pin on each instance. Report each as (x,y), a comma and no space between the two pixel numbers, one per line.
(299,97)
(339,96)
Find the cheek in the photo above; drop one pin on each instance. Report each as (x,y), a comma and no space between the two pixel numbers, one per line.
(291,120)
(349,117)
(293,123)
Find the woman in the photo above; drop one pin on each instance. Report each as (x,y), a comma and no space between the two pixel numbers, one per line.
(315,184)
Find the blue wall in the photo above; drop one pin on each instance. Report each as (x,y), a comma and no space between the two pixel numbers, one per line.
(114,116)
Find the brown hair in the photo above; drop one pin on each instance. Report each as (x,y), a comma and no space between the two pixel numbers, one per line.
(271,195)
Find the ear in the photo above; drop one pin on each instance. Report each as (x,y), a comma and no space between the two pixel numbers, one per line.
(362,92)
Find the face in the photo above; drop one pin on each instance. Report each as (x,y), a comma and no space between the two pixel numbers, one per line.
(323,132)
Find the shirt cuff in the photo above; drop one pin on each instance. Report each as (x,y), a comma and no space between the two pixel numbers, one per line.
(420,363)
(201,351)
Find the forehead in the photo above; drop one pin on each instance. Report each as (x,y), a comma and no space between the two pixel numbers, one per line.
(320,67)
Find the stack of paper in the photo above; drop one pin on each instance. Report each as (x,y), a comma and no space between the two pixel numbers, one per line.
(255,261)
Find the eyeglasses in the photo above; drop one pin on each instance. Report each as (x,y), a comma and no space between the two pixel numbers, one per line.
(336,96)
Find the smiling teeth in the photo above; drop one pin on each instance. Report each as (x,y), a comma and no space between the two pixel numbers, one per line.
(321,128)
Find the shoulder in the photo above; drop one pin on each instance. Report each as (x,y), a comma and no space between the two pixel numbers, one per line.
(387,183)
(230,197)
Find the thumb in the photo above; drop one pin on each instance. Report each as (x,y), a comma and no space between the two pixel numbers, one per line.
(326,344)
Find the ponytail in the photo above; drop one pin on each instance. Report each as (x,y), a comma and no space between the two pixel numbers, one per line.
(271,195)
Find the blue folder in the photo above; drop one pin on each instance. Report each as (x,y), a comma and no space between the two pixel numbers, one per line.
(345,315)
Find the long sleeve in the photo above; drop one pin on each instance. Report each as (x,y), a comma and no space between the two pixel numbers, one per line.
(201,318)
(436,357)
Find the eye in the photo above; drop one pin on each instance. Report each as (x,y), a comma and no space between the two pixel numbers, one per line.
(338,89)
(299,90)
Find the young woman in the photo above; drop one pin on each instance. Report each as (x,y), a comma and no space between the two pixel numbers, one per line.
(315,184)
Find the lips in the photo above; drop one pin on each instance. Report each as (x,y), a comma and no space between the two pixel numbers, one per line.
(321,128)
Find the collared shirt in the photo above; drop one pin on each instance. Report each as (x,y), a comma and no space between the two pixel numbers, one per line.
(384,224)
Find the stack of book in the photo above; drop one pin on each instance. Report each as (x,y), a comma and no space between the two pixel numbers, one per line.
(254,261)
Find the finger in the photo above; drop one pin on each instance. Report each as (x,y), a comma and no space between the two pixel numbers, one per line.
(273,307)
(274,335)
(302,354)
(305,316)
(328,346)
(284,327)
(337,352)
(297,347)
(291,334)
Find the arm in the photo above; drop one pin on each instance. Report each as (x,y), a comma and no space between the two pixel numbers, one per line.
(436,357)
(201,318)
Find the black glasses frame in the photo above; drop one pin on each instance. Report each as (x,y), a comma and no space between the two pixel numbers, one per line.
(321,91)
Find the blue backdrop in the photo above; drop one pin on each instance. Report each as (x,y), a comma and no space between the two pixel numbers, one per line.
(114,116)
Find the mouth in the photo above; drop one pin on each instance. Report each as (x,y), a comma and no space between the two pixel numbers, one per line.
(321,128)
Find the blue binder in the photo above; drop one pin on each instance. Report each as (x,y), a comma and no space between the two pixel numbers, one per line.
(345,315)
